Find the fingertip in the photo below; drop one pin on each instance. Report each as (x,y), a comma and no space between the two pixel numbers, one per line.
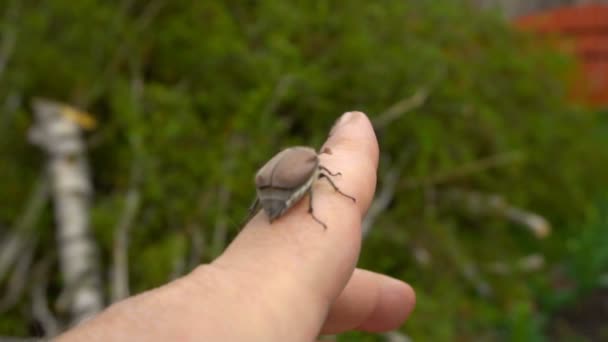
(396,302)
(354,150)
(344,119)
(354,129)
(370,302)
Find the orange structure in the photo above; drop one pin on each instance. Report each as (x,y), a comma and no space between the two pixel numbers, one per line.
(585,30)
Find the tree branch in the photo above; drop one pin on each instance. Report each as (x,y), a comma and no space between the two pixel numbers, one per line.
(224,195)
(480,204)
(124,50)
(530,263)
(120,269)
(19,281)
(385,196)
(281,89)
(467,169)
(9,36)
(218,241)
(197,243)
(382,201)
(402,107)
(396,336)
(11,245)
(40,307)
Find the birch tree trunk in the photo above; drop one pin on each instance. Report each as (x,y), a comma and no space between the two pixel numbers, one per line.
(59,135)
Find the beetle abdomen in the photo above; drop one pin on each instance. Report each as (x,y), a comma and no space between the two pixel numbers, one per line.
(273,201)
(273,208)
(276,201)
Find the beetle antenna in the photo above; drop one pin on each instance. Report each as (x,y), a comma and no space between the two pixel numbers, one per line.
(321,174)
(323,168)
(311,211)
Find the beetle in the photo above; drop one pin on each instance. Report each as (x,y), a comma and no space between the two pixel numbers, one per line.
(287,178)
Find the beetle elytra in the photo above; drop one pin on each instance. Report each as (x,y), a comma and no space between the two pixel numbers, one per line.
(288,177)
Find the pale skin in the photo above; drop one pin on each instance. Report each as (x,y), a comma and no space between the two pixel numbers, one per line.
(286,281)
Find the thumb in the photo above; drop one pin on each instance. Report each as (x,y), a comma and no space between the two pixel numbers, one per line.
(294,262)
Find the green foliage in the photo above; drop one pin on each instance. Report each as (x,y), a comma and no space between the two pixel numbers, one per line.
(13,325)
(524,324)
(193,96)
(589,261)
(584,266)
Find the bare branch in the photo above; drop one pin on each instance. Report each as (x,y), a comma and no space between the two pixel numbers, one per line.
(279,93)
(224,195)
(467,169)
(60,137)
(19,281)
(422,255)
(120,271)
(390,180)
(471,273)
(178,267)
(124,48)
(11,245)
(480,204)
(530,263)
(40,307)
(452,248)
(35,205)
(221,223)
(538,225)
(9,252)
(197,243)
(9,35)
(402,107)
(396,336)
(382,201)
(603,280)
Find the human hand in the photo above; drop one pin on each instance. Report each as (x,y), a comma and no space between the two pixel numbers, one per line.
(289,281)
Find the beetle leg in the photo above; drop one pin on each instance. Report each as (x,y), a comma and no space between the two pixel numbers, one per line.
(321,174)
(311,211)
(323,168)
(254,205)
(253,209)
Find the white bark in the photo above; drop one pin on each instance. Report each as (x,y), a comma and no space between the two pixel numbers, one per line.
(61,138)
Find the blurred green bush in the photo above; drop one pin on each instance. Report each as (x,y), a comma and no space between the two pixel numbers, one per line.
(192,96)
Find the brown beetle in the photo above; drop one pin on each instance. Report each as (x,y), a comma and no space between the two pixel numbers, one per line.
(288,177)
